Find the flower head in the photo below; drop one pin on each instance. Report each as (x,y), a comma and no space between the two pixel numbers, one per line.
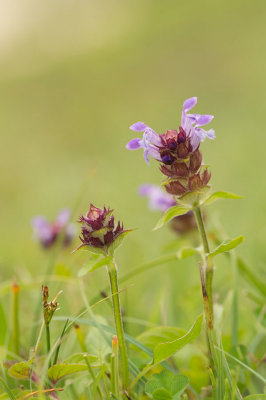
(98,230)
(174,144)
(47,232)
(158,199)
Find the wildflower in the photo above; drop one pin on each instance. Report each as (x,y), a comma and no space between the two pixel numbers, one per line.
(159,200)
(98,229)
(178,150)
(47,232)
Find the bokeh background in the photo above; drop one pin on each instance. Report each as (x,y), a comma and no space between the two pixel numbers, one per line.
(74,75)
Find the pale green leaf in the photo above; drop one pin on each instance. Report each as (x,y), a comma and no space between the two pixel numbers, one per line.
(20,370)
(94,264)
(227,245)
(160,334)
(174,384)
(171,213)
(255,397)
(221,195)
(187,252)
(91,249)
(194,199)
(165,350)
(59,371)
(118,241)
(162,394)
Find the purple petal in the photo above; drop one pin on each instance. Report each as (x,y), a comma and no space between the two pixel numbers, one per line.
(134,144)
(204,120)
(42,229)
(210,134)
(189,103)
(63,216)
(138,127)
(145,189)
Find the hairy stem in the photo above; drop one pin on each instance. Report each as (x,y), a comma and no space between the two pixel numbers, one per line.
(112,271)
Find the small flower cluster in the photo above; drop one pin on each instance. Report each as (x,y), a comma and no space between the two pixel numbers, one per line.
(47,232)
(98,228)
(178,150)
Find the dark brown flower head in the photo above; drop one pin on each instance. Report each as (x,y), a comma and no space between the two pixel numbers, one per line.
(175,146)
(98,229)
(184,223)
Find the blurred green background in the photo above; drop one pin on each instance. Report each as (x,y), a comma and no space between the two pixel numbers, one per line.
(74,75)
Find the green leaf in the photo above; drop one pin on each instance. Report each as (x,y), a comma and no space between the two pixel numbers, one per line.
(227,245)
(60,371)
(246,272)
(171,213)
(117,242)
(188,252)
(160,334)
(93,250)
(165,350)
(173,384)
(20,370)
(162,394)
(255,397)
(94,264)
(3,324)
(194,199)
(221,195)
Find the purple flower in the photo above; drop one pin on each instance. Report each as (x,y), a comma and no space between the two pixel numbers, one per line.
(192,123)
(47,232)
(158,199)
(149,142)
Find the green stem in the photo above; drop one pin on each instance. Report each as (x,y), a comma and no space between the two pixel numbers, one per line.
(48,341)
(112,271)
(114,369)
(15,317)
(208,260)
(206,284)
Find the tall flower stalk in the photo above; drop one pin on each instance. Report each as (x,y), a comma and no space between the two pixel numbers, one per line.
(187,179)
(99,235)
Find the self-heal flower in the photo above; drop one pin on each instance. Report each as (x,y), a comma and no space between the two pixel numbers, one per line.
(149,142)
(98,230)
(49,308)
(47,232)
(158,199)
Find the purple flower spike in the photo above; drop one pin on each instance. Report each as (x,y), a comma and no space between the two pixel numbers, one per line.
(47,232)
(150,141)
(158,199)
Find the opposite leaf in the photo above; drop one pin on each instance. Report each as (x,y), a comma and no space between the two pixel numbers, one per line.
(94,264)
(227,246)
(221,195)
(165,350)
(171,213)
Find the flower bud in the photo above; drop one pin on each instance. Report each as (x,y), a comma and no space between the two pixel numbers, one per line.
(98,231)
